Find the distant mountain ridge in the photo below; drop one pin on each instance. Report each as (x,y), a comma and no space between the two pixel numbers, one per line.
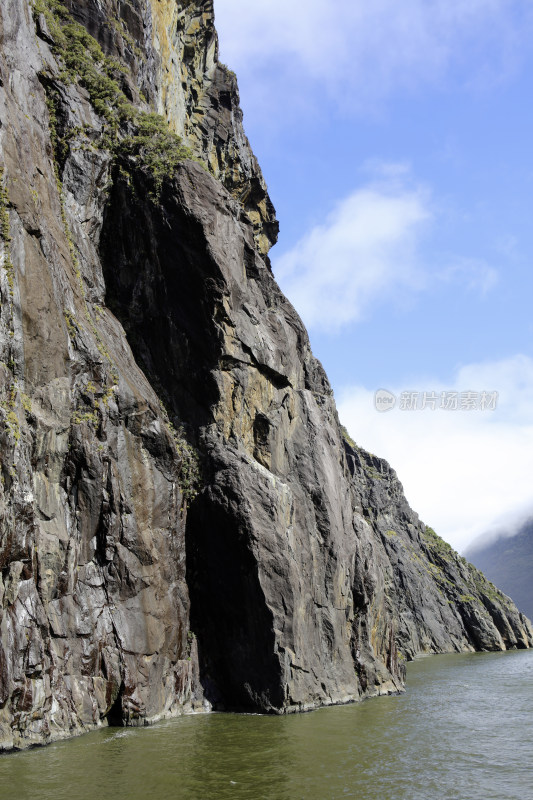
(508,562)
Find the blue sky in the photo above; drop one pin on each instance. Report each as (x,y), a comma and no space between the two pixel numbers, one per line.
(396,143)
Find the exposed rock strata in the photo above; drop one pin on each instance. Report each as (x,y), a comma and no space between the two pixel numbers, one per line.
(300,568)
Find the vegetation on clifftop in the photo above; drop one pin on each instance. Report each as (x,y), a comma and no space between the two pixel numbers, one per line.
(129,132)
(347,438)
(437,545)
(481,589)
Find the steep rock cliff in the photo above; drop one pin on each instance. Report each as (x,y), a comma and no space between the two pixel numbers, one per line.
(183,521)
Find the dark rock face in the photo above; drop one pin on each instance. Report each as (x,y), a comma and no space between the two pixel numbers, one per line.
(297,575)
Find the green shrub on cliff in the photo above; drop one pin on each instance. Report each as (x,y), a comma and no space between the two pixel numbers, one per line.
(347,438)
(157,148)
(128,131)
(437,545)
(188,458)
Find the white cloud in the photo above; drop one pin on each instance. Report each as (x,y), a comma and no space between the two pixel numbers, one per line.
(473,273)
(463,471)
(373,47)
(365,249)
(368,252)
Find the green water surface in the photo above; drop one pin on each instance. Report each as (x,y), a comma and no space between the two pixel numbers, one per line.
(462,731)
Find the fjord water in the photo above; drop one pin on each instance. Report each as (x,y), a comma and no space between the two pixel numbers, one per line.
(462,731)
